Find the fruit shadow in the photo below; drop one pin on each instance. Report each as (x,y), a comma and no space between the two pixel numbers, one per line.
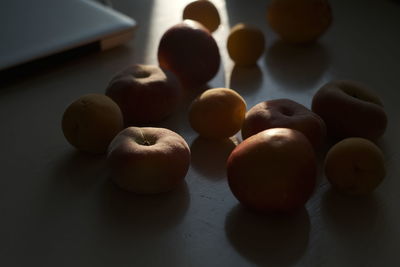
(297,66)
(268,240)
(388,150)
(178,121)
(349,217)
(71,177)
(209,156)
(321,152)
(246,80)
(79,171)
(191,91)
(140,217)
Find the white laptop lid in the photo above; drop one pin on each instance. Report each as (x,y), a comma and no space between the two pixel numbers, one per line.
(33,29)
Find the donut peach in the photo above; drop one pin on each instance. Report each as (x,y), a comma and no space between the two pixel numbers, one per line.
(148,160)
(145,94)
(284,113)
(350,109)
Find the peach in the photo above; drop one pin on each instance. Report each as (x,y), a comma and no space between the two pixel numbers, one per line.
(284,113)
(91,122)
(245,44)
(299,21)
(148,160)
(355,166)
(145,93)
(188,50)
(217,113)
(273,171)
(203,11)
(350,109)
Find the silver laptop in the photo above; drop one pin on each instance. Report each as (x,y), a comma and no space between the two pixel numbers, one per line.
(34,29)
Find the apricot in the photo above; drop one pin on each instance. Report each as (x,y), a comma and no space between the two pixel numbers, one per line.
(217,113)
(91,122)
(245,44)
(299,21)
(203,11)
(355,166)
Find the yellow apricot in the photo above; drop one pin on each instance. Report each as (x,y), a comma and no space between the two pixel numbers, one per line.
(245,44)
(203,11)
(91,122)
(299,21)
(217,113)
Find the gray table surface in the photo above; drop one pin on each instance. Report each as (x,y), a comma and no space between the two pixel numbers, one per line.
(59,208)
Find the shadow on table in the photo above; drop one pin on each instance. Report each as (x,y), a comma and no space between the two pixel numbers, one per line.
(79,172)
(246,80)
(142,216)
(178,121)
(209,156)
(359,223)
(350,217)
(297,66)
(268,240)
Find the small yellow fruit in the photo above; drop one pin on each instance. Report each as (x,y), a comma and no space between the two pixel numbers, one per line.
(91,122)
(217,113)
(355,166)
(299,21)
(245,44)
(203,11)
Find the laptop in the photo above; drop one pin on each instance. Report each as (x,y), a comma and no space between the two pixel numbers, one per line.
(35,29)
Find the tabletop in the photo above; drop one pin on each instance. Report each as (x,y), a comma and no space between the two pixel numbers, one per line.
(59,208)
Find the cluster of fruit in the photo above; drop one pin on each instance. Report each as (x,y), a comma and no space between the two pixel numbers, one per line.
(275,167)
